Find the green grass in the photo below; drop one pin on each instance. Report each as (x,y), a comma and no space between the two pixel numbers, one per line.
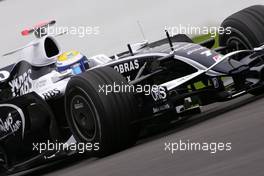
(198,39)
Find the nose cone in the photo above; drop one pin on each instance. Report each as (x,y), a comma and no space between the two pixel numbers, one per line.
(203,57)
(197,53)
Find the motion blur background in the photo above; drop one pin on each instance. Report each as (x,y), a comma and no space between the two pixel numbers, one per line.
(117,20)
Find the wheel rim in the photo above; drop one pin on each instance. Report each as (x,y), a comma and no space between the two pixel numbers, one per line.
(84,117)
(238,40)
(237,43)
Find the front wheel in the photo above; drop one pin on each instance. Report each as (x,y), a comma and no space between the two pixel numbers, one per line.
(247,28)
(101,118)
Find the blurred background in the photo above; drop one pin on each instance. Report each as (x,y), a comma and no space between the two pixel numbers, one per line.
(117,20)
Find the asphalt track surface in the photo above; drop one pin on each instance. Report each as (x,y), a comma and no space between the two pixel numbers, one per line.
(239,121)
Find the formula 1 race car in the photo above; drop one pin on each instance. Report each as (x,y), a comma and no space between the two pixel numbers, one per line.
(50,96)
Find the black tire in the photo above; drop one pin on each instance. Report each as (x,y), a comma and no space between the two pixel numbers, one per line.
(257,92)
(3,161)
(246,27)
(106,119)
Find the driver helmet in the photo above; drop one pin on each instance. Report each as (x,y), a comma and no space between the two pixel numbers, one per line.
(72,60)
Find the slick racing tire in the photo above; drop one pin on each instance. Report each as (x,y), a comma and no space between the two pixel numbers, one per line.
(100,118)
(247,31)
(246,28)
(3,161)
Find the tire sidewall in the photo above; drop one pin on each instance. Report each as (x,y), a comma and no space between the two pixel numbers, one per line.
(76,89)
